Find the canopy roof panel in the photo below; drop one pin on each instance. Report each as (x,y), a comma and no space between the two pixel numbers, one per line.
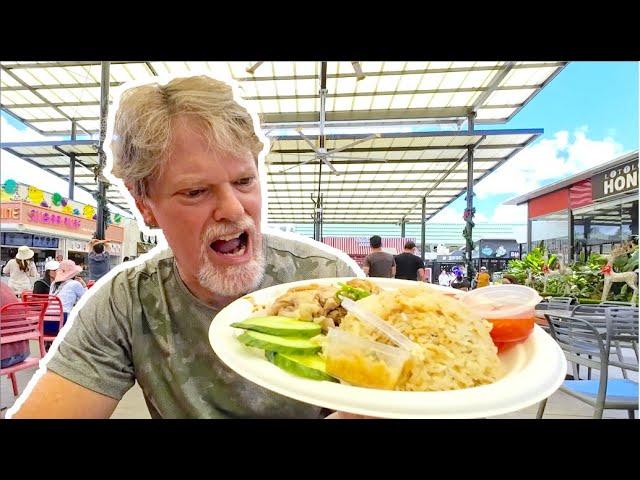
(47,96)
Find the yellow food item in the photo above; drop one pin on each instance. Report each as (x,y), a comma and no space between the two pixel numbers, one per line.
(456,350)
(362,370)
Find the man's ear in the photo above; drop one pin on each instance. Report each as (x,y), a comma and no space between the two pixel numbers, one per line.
(144,208)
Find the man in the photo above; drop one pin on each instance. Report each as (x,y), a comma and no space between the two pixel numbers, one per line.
(188,154)
(409,266)
(460,282)
(379,263)
(482,278)
(99,264)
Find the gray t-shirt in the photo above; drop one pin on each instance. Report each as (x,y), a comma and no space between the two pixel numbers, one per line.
(380,264)
(145,325)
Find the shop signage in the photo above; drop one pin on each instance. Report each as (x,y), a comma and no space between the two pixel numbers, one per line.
(620,179)
(10,212)
(26,213)
(36,216)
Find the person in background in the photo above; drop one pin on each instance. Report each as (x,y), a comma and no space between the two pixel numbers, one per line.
(482,278)
(21,270)
(14,352)
(43,285)
(98,259)
(409,266)
(59,258)
(460,282)
(443,278)
(69,287)
(125,259)
(379,263)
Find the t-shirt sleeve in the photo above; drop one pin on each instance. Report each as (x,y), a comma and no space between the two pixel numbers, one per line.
(419,262)
(96,350)
(345,270)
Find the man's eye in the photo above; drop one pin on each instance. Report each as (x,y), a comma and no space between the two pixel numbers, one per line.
(245,181)
(194,193)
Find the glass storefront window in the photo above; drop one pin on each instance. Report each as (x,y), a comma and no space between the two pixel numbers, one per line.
(603,226)
(553,229)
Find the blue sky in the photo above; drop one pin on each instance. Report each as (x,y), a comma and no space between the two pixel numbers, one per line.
(589,114)
(596,100)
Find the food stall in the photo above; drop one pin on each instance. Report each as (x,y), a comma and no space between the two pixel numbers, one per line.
(51,226)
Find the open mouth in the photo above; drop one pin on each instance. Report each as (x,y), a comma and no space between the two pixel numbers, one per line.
(232,245)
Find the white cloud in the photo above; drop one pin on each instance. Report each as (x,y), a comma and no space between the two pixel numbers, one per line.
(510,214)
(548,160)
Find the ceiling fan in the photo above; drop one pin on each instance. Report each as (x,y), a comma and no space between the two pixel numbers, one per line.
(323,155)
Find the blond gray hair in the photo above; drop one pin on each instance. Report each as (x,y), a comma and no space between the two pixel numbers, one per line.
(143,125)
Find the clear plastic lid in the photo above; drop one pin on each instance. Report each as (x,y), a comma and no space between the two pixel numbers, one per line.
(363,362)
(502,301)
(393,333)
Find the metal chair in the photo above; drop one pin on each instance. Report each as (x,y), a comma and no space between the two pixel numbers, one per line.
(18,322)
(613,303)
(54,314)
(560,303)
(584,344)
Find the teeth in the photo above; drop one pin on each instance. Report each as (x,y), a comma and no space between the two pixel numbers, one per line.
(228,237)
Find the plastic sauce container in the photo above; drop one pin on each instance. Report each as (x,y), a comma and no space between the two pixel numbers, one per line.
(362,362)
(510,308)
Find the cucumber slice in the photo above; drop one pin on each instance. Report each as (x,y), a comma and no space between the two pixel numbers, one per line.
(292,345)
(307,366)
(280,326)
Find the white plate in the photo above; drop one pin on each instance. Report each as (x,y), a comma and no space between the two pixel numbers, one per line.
(534,370)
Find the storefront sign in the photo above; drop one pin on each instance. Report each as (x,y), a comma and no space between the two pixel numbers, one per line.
(77,245)
(38,216)
(28,214)
(620,179)
(10,211)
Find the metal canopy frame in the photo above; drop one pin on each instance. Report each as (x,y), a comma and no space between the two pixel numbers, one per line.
(62,98)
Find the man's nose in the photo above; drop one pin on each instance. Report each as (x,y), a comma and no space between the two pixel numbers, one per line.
(228,207)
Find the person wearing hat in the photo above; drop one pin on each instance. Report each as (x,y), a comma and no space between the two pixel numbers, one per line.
(482,278)
(21,270)
(43,285)
(68,286)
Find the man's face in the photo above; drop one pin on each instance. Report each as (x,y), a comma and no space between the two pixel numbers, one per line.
(207,204)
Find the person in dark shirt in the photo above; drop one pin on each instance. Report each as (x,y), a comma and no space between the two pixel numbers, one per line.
(461,283)
(43,285)
(379,263)
(98,259)
(409,266)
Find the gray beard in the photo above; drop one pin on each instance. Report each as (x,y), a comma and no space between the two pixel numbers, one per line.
(235,280)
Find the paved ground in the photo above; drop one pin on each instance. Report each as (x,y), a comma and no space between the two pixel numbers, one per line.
(133,405)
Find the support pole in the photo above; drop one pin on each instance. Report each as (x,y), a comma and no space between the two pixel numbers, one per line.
(403,224)
(422,234)
(72,164)
(470,211)
(102,188)
(468,216)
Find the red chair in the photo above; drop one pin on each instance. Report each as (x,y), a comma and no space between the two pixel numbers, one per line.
(53,313)
(22,321)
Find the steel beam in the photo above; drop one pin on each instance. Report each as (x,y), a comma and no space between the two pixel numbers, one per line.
(102,188)
(423,228)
